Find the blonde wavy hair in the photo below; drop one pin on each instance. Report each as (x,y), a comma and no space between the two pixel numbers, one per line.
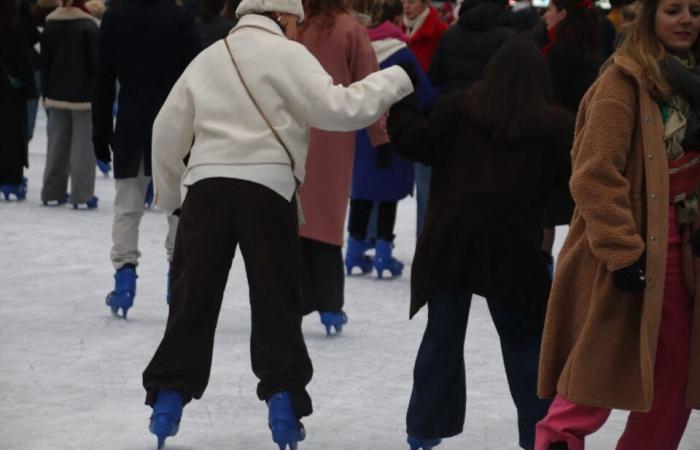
(376,11)
(643,46)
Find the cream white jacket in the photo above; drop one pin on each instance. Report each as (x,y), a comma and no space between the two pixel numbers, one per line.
(209,114)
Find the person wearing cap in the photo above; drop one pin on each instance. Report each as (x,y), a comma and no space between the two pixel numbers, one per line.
(242,111)
(623,322)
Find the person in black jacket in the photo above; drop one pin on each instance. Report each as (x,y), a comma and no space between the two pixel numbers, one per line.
(16,87)
(211,25)
(68,60)
(497,152)
(467,47)
(145,45)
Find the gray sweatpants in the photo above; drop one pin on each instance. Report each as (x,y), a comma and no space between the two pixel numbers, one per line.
(129,206)
(69,153)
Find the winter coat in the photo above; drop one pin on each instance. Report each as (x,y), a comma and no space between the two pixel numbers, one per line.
(467,47)
(294,93)
(394,182)
(571,73)
(599,344)
(15,61)
(425,40)
(69,58)
(483,226)
(145,45)
(210,31)
(346,54)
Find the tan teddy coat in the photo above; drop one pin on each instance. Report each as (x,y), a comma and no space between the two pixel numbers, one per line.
(599,343)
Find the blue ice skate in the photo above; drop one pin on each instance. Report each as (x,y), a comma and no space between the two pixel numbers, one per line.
(333,320)
(122,297)
(61,201)
(355,255)
(104,167)
(167,412)
(90,204)
(417,443)
(383,260)
(148,201)
(19,190)
(286,428)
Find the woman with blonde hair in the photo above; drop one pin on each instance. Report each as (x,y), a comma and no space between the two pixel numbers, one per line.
(623,323)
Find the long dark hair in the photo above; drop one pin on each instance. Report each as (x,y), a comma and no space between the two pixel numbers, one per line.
(210,9)
(513,101)
(325,11)
(580,26)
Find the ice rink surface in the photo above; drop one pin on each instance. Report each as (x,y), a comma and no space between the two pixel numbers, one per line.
(70,373)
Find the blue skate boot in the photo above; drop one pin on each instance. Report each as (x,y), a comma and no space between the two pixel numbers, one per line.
(148,201)
(19,190)
(333,320)
(122,297)
(167,412)
(384,261)
(355,255)
(61,201)
(90,204)
(417,443)
(286,428)
(104,167)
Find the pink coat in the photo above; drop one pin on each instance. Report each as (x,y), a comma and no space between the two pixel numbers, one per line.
(347,55)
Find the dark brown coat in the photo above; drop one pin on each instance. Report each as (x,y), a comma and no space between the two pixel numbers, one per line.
(599,343)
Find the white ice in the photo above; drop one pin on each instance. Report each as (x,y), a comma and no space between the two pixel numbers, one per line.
(70,373)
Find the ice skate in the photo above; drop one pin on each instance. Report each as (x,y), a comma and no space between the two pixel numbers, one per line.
(286,428)
(61,201)
(355,255)
(417,443)
(167,412)
(333,320)
(19,190)
(148,201)
(122,297)
(383,260)
(90,204)
(104,167)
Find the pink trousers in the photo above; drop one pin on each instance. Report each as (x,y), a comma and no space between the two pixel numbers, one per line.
(661,428)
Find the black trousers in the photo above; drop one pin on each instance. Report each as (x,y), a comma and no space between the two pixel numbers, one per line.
(323,279)
(218,214)
(360,211)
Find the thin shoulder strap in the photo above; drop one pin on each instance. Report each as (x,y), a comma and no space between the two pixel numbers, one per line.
(250,94)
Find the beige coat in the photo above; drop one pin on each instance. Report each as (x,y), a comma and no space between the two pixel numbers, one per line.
(599,343)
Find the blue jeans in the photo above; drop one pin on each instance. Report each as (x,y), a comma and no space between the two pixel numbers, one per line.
(438,401)
(33,107)
(422,193)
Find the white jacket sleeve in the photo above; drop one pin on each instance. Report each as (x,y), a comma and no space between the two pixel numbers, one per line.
(338,108)
(173,131)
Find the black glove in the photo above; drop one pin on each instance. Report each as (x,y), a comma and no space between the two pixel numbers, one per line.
(383,156)
(411,72)
(177,212)
(695,243)
(102,152)
(630,278)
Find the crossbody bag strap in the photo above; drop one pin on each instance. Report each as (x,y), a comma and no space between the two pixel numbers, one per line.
(250,94)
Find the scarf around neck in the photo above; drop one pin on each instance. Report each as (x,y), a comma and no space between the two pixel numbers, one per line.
(413,25)
(387,30)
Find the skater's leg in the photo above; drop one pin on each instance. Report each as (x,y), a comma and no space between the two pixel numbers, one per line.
(269,241)
(662,428)
(422,194)
(57,156)
(170,237)
(323,274)
(358,218)
(204,248)
(570,423)
(128,210)
(82,158)
(386,220)
(520,338)
(438,400)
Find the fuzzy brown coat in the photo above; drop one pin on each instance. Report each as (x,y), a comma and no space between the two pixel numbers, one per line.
(347,55)
(599,343)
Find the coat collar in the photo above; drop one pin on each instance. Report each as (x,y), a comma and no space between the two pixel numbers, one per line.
(430,27)
(69,13)
(258,21)
(628,66)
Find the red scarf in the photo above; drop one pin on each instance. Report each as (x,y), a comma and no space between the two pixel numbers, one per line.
(551,40)
(387,30)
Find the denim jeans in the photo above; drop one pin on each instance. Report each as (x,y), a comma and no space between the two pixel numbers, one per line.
(422,194)
(438,401)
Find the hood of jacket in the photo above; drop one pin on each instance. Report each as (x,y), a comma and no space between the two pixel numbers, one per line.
(479,15)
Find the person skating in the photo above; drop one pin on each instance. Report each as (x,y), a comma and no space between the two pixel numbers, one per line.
(623,323)
(242,110)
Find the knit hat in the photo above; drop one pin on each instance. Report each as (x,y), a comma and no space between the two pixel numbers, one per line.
(260,6)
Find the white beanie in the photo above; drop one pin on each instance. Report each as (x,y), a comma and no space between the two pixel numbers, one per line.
(259,6)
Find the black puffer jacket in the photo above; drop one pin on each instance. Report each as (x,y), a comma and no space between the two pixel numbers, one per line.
(467,47)
(68,58)
(572,73)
